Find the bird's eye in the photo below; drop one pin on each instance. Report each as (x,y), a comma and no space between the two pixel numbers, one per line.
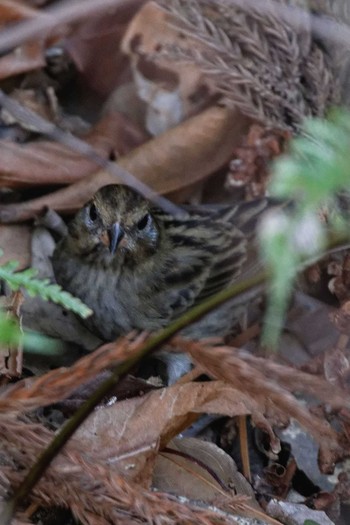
(141,225)
(92,213)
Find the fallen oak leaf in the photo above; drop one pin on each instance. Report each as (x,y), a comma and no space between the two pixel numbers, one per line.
(59,15)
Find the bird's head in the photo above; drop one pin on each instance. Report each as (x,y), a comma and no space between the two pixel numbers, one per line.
(116,220)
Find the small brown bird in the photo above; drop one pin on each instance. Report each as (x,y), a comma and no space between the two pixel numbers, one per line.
(138,267)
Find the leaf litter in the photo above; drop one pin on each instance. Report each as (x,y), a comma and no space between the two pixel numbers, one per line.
(207,122)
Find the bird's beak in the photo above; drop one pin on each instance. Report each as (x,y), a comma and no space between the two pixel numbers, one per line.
(115,235)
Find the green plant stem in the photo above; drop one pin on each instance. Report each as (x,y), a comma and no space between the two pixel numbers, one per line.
(58,442)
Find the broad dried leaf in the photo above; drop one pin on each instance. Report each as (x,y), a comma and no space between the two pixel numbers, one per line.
(176,159)
(15,11)
(130,432)
(28,57)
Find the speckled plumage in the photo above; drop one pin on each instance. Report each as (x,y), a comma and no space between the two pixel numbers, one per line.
(162,265)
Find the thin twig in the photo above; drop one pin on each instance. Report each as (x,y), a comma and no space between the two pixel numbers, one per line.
(243,442)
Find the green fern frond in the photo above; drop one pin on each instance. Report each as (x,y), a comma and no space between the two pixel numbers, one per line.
(41,287)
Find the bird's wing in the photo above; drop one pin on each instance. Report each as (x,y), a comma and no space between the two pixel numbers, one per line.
(203,254)
(237,256)
(209,250)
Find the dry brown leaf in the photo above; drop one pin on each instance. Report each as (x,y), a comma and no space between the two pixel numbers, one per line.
(130,431)
(200,470)
(189,152)
(14,11)
(44,162)
(179,157)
